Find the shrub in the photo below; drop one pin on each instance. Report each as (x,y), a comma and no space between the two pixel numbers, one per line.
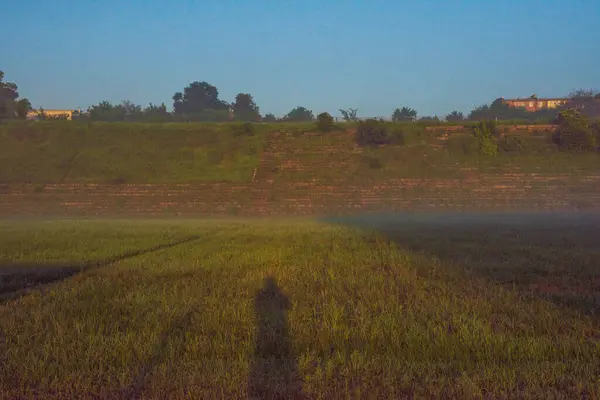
(325,122)
(244,129)
(523,144)
(512,144)
(372,132)
(574,132)
(484,133)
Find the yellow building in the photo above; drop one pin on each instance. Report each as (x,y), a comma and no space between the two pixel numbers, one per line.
(67,114)
(534,104)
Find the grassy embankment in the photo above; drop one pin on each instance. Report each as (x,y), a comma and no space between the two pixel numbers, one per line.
(73,152)
(416,153)
(329,309)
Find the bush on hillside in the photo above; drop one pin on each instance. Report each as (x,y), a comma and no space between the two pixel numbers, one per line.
(484,133)
(325,122)
(574,132)
(372,132)
(522,144)
(406,134)
(244,129)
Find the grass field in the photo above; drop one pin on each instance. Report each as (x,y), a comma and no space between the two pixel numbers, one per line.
(423,306)
(51,152)
(77,152)
(335,157)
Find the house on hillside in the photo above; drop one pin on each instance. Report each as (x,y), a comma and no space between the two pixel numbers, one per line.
(56,114)
(533,103)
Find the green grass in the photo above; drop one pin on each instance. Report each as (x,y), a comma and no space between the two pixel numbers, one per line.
(68,151)
(332,309)
(80,152)
(419,155)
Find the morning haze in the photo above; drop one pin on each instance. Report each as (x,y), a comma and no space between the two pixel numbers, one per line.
(299,200)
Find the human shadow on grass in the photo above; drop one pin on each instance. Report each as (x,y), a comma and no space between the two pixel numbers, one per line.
(274,372)
(18,278)
(553,256)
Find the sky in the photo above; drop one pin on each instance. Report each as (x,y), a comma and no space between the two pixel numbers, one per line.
(374,55)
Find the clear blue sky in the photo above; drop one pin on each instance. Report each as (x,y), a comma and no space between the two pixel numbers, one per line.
(374,55)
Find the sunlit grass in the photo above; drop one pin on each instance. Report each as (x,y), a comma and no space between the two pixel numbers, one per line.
(81,152)
(252,307)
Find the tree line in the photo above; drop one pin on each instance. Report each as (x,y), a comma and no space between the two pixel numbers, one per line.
(199,101)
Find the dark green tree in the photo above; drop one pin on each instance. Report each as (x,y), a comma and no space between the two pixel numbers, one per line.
(455,116)
(131,111)
(325,122)
(154,113)
(22,108)
(198,97)
(498,109)
(106,111)
(484,133)
(435,118)
(245,108)
(349,115)
(404,114)
(582,93)
(299,114)
(269,117)
(372,132)
(574,132)
(586,101)
(10,107)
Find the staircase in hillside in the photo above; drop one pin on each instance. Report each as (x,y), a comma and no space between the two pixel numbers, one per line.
(273,192)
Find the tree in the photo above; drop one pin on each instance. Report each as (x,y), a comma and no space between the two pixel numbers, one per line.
(574,132)
(106,111)
(269,118)
(154,113)
(499,109)
(372,132)
(245,109)
(299,114)
(325,122)
(349,115)
(435,118)
(22,108)
(10,107)
(404,114)
(197,97)
(129,111)
(455,116)
(582,93)
(484,133)
(584,101)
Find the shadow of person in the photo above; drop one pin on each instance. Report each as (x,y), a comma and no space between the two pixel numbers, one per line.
(274,373)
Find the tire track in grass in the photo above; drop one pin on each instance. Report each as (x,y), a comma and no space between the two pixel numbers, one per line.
(17,279)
